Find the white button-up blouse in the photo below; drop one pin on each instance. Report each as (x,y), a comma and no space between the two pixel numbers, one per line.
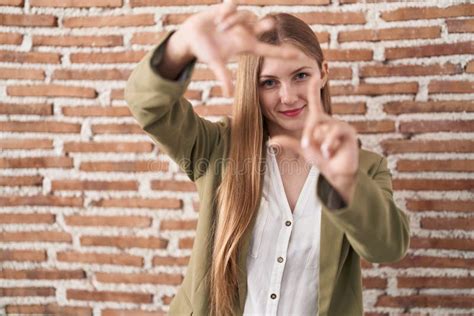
(283,259)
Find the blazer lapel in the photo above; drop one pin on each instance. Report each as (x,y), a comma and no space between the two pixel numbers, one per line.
(331,241)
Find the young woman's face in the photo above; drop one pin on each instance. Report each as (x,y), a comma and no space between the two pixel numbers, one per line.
(283,89)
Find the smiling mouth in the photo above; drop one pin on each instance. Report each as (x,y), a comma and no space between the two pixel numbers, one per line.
(294,112)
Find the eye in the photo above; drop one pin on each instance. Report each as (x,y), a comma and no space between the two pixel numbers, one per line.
(267,83)
(302,75)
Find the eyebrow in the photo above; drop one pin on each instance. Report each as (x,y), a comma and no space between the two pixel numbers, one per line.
(297,70)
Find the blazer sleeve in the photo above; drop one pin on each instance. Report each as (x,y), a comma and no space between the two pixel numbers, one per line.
(164,114)
(374,226)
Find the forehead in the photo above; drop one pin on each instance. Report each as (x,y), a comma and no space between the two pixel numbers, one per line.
(277,67)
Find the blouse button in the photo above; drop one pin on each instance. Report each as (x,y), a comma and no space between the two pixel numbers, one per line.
(280,259)
(288,223)
(273,296)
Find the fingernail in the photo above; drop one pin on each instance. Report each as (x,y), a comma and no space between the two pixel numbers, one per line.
(304,142)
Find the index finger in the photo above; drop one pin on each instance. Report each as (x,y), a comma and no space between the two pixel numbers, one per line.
(315,106)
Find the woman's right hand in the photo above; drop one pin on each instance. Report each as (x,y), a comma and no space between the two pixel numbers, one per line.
(215,35)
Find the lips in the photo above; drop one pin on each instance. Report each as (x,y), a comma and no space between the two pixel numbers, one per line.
(293,112)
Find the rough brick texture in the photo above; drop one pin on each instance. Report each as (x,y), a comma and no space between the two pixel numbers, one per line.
(96,220)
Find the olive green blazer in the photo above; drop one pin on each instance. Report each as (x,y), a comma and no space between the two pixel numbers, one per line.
(372,227)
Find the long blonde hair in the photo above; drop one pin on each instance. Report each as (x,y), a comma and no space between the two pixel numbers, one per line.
(238,195)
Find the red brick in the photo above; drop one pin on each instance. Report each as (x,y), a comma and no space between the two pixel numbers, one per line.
(186,243)
(370,127)
(155,3)
(140,278)
(447,223)
(36,162)
(108,147)
(332,18)
(374,283)
(470,67)
(15,73)
(11,38)
(10,56)
(100,258)
(107,58)
(121,221)
(376,89)
(440,205)
(193,94)
(407,165)
(171,185)
(32,218)
(410,70)
(49,309)
(436,126)
(22,255)
(42,274)
(348,54)
(40,200)
(36,236)
(175,18)
(124,242)
(81,41)
(169,224)
(125,166)
(170,261)
(102,296)
(117,94)
(460,26)
(109,74)
(282,2)
(76,3)
(432,301)
(147,38)
(84,185)
(121,128)
(390,34)
(392,146)
(28,20)
(28,109)
(14,143)
(460,48)
(433,184)
(12,3)
(412,261)
(52,90)
(349,108)
(110,21)
(40,127)
(162,203)
(27,291)
(401,107)
(21,181)
(428,13)
(442,243)
(89,111)
(445,86)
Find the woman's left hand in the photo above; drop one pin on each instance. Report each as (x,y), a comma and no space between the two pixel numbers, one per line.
(327,143)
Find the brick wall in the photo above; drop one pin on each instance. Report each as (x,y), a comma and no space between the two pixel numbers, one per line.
(95,220)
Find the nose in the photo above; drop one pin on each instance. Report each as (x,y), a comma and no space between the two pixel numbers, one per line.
(288,94)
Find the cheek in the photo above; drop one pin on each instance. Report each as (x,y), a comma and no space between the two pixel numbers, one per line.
(267,102)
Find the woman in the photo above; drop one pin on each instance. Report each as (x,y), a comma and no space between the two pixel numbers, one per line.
(270,239)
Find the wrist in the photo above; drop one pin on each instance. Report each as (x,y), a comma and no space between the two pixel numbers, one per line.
(345,186)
